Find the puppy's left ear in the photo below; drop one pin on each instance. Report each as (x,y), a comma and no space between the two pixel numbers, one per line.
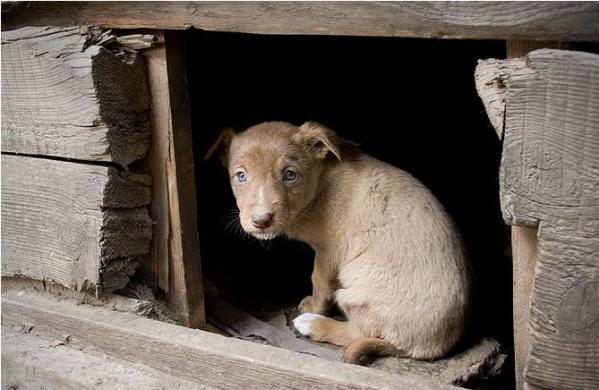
(319,140)
(221,145)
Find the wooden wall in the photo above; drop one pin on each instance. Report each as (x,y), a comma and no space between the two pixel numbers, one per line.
(75,114)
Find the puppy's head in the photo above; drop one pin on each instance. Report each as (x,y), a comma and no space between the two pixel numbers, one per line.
(274,169)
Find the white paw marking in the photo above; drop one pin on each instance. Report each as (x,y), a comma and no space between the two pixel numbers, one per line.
(303,323)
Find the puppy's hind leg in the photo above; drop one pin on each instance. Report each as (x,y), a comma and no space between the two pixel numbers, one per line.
(321,328)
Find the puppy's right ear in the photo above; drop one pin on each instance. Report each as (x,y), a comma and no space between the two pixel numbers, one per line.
(221,145)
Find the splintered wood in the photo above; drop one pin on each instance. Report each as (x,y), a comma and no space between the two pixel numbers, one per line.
(549,179)
(65,97)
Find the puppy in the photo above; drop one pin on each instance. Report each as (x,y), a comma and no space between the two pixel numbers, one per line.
(386,251)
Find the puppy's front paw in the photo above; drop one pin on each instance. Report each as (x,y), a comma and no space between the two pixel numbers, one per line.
(304,323)
(306,306)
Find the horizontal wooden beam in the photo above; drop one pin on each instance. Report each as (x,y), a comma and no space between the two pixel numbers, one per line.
(80,225)
(30,361)
(193,355)
(567,21)
(65,97)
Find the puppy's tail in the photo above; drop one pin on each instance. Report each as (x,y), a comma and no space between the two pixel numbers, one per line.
(362,348)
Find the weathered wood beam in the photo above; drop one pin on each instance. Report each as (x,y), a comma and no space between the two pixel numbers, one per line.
(525,242)
(571,21)
(31,361)
(63,96)
(80,225)
(549,179)
(193,355)
(174,263)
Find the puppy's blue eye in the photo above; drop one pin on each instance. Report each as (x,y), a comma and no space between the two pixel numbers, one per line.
(241,176)
(290,175)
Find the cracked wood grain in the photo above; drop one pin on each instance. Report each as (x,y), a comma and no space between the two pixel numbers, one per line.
(549,180)
(65,98)
(572,21)
(80,225)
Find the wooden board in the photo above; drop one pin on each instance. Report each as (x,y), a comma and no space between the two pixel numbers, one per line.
(525,252)
(77,224)
(480,360)
(62,97)
(572,21)
(550,180)
(174,264)
(31,361)
(525,242)
(190,354)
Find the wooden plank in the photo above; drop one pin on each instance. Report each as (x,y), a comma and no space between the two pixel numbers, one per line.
(479,360)
(517,49)
(31,361)
(525,251)
(525,243)
(550,179)
(175,255)
(154,270)
(572,21)
(63,97)
(193,355)
(80,225)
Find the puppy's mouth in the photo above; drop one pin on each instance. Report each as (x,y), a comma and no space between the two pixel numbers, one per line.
(267,233)
(264,234)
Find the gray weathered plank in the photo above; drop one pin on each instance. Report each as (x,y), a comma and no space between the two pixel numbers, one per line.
(550,179)
(31,361)
(573,21)
(62,97)
(194,355)
(525,252)
(525,242)
(175,254)
(80,225)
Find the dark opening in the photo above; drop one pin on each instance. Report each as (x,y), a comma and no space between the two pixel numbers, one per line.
(410,102)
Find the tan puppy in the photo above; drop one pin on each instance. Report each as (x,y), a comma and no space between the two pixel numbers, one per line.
(386,251)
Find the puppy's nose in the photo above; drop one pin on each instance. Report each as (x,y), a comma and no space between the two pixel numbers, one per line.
(262,221)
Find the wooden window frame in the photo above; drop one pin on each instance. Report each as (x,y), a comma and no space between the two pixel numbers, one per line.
(174,263)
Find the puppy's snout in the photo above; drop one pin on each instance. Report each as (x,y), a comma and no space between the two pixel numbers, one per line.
(262,221)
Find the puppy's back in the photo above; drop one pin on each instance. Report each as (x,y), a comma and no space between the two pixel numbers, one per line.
(407,263)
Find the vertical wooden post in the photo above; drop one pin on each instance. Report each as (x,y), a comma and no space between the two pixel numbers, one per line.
(174,263)
(525,250)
